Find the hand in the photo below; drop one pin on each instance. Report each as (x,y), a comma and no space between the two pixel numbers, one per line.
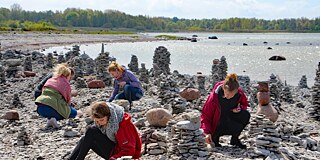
(236,110)
(208,138)
(73,104)
(121,84)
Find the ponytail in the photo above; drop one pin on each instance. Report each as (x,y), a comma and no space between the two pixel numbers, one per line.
(114,66)
(231,82)
(62,70)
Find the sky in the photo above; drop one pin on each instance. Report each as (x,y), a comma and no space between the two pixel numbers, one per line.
(190,9)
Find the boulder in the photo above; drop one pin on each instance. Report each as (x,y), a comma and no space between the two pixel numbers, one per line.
(29,74)
(13,62)
(11,115)
(158,117)
(74,93)
(190,94)
(96,84)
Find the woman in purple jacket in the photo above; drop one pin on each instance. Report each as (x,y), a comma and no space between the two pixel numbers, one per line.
(126,81)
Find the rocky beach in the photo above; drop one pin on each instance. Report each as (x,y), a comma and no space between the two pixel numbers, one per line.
(167,117)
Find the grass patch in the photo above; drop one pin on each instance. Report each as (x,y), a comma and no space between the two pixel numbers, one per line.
(134,37)
(163,36)
(109,32)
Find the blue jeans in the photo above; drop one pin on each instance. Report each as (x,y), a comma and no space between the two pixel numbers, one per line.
(49,112)
(130,93)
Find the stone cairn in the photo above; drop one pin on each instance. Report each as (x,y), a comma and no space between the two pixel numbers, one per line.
(77,64)
(23,137)
(73,53)
(81,83)
(155,142)
(28,64)
(13,67)
(102,62)
(215,70)
(264,106)
(267,139)
(201,80)
(61,58)
(16,103)
(144,75)
(134,65)
(2,75)
(169,94)
(303,82)
(274,91)
(286,95)
(49,60)
(314,110)
(90,66)
(244,82)
(223,68)
(187,141)
(161,59)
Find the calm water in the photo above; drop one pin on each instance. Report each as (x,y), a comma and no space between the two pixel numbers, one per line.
(302,54)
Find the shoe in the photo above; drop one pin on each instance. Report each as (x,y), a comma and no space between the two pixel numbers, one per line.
(54,123)
(48,123)
(237,142)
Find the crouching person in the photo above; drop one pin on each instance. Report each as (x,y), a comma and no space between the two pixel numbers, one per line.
(112,136)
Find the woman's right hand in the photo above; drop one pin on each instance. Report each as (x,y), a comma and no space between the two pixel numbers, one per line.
(121,84)
(208,138)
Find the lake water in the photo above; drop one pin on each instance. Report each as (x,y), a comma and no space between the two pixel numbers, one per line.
(302,53)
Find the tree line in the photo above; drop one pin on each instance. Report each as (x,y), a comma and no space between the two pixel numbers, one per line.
(112,19)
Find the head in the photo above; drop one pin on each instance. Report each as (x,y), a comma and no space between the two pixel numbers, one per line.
(100,113)
(230,85)
(116,70)
(63,70)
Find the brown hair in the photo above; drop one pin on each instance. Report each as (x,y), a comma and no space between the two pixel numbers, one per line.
(63,70)
(100,109)
(114,66)
(231,82)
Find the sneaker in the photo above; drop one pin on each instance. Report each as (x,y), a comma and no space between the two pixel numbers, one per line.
(54,123)
(237,142)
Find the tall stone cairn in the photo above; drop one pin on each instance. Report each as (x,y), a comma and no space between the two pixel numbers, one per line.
(161,58)
(275,90)
(81,83)
(215,70)
(201,81)
(134,65)
(223,68)
(286,95)
(156,142)
(27,64)
(49,60)
(13,67)
(90,67)
(244,83)
(61,58)
(144,75)
(23,137)
(73,53)
(102,62)
(314,110)
(187,141)
(2,75)
(78,65)
(303,82)
(16,103)
(266,135)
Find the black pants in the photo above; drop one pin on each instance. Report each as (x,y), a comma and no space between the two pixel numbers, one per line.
(233,124)
(95,140)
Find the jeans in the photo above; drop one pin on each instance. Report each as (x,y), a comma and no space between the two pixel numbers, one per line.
(130,93)
(95,140)
(49,112)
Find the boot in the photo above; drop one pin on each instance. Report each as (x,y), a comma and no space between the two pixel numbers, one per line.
(236,142)
(216,141)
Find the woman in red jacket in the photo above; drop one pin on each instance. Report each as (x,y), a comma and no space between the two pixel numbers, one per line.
(112,136)
(225,112)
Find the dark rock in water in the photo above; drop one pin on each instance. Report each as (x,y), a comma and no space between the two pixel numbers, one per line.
(245,44)
(277,44)
(277,58)
(288,42)
(194,35)
(265,42)
(193,40)
(269,48)
(213,37)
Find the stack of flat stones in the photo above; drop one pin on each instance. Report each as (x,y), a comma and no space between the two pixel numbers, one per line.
(244,83)
(2,75)
(215,70)
(81,83)
(77,64)
(27,64)
(134,65)
(161,59)
(274,91)
(61,58)
(102,62)
(13,67)
(201,81)
(223,68)
(23,137)
(169,95)
(267,139)
(73,53)
(89,67)
(157,144)
(16,103)
(286,95)
(314,110)
(49,60)
(143,72)
(187,139)
(303,82)
(35,55)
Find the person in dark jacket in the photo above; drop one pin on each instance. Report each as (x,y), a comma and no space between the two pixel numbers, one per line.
(225,112)
(125,80)
(112,136)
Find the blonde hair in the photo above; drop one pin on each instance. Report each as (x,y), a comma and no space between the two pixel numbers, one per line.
(62,70)
(231,82)
(114,66)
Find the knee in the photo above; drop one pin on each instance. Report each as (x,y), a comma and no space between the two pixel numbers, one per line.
(127,87)
(91,131)
(246,116)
